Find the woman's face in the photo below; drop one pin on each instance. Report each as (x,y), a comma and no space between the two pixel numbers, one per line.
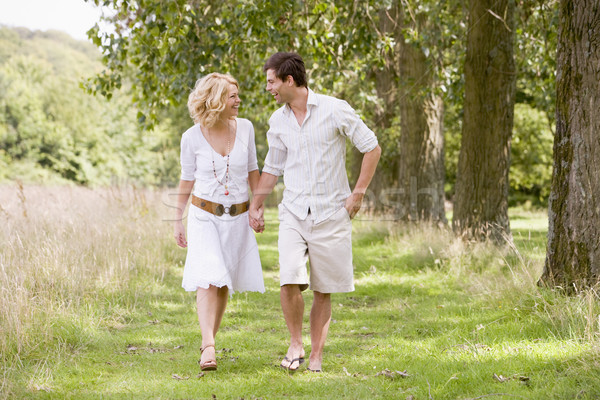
(233,103)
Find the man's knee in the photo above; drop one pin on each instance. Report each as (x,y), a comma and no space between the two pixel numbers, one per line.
(321,297)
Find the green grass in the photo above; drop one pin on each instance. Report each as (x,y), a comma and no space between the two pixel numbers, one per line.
(451,315)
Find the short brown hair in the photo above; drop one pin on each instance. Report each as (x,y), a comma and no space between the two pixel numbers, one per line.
(285,64)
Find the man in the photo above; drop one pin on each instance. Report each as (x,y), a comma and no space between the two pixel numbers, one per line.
(307,145)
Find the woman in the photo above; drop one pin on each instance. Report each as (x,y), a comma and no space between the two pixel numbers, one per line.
(218,154)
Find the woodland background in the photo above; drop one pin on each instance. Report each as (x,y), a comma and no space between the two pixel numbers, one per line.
(488,115)
(51,131)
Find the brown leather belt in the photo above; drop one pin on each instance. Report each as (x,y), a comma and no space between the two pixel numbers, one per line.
(219,209)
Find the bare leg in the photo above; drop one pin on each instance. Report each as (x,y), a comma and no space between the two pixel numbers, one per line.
(320,317)
(222,297)
(211,307)
(292,304)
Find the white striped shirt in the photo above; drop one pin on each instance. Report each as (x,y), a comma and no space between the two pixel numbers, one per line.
(312,157)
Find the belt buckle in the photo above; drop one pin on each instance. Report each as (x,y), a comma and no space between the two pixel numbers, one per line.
(221,209)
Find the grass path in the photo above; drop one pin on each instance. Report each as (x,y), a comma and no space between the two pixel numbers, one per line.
(429,320)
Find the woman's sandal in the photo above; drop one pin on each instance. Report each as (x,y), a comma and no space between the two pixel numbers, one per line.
(210,365)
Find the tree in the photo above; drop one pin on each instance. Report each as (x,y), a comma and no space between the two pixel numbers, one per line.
(481,198)
(421,153)
(164,47)
(573,253)
(52,131)
(415,38)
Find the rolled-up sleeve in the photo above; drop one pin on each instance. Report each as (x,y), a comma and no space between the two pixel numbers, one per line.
(277,155)
(354,128)
(252,161)
(188,159)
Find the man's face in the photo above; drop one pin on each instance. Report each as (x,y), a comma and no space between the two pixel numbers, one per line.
(276,87)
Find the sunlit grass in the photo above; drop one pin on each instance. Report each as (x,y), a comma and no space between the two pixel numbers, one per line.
(91,307)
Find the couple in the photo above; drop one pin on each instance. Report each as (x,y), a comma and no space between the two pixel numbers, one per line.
(307,145)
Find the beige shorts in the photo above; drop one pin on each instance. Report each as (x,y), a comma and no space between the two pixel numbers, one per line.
(327,246)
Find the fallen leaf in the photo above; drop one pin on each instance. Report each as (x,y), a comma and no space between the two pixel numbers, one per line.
(224,350)
(152,350)
(523,378)
(131,348)
(200,375)
(501,378)
(178,347)
(180,378)
(393,374)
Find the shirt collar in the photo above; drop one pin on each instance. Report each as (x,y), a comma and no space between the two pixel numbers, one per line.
(312,100)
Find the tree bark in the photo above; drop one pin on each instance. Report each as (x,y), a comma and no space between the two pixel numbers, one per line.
(573,252)
(385,112)
(421,160)
(420,163)
(386,80)
(481,198)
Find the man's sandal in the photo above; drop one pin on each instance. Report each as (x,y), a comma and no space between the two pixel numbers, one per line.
(292,361)
(210,365)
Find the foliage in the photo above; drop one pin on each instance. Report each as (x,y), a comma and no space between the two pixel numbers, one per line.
(51,130)
(93,308)
(535,49)
(158,49)
(164,47)
(531,152)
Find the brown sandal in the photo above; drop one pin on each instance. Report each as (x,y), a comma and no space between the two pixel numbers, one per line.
(210,365)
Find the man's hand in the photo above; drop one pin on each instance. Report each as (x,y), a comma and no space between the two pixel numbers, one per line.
(353,203)
(256,217)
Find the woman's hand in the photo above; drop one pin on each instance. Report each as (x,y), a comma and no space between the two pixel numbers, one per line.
(256,218)
(179,233)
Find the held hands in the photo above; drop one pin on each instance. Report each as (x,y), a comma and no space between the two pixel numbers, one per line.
(179,233)
(256,217)
(353,203)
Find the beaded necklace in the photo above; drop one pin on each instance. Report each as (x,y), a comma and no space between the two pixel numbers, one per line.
(226,184)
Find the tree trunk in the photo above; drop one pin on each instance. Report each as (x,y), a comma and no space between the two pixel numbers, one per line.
(385,79)
(573,254)
(481,199)
(421,159)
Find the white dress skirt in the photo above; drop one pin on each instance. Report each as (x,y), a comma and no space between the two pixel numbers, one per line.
(222,251)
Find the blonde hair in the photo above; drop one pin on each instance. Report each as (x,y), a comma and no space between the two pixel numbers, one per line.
(209,98)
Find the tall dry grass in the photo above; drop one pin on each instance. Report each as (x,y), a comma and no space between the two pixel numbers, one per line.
(64,251)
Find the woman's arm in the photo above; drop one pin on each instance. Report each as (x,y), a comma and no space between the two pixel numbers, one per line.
(183,195)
